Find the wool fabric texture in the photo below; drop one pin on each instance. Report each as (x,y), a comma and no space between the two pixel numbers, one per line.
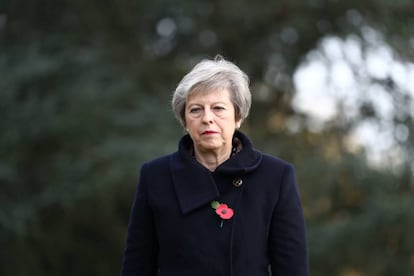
(174,231)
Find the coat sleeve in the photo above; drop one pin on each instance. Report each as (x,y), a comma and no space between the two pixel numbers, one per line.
(287,240)
(140,256)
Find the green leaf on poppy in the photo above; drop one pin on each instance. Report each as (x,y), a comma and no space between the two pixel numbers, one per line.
(215,204)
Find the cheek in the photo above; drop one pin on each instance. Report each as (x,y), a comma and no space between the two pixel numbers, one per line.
(191,125)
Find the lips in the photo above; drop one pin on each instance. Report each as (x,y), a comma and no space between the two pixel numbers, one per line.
(207,132)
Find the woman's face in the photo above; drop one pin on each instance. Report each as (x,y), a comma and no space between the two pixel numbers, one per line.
(210,120)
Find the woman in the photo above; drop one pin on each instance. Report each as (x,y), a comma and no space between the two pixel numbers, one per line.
(217,206)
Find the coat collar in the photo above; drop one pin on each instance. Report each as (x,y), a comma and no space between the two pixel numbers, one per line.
(194,184)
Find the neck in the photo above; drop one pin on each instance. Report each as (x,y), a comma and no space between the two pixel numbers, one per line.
(211,160)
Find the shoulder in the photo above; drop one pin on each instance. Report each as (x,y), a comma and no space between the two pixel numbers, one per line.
(158,164)
(275,168)
(155,172)
(275,162)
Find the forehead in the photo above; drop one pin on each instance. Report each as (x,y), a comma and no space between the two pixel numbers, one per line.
(220,94)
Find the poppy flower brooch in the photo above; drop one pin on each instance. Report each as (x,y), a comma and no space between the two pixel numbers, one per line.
(222,210)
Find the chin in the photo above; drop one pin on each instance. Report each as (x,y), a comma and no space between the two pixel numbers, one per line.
(209,147)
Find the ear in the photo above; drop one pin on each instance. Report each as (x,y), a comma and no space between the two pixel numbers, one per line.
(238,124)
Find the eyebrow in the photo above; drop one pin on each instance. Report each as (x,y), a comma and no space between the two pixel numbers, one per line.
(220,102)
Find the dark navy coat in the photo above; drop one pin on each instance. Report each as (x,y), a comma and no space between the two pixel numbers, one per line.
(174,231)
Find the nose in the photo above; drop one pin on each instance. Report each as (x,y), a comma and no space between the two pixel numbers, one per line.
(208,116)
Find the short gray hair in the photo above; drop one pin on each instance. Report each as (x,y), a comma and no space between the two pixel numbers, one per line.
(210,74)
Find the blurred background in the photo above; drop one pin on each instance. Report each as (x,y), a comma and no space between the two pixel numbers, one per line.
(85,89)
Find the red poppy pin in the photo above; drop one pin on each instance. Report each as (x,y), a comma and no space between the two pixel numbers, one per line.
(222,210)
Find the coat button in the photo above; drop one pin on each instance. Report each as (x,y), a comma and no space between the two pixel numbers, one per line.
(237,182)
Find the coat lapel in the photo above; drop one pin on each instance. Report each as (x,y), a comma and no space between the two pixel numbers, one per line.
(194,185)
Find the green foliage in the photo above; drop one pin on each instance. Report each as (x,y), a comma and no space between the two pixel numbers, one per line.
(356,215)
(84,100)
(74,131)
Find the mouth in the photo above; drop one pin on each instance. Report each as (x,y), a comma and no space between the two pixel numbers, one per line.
(208,132)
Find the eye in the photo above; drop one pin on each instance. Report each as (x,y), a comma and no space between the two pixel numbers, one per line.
(195,110)
(218,108)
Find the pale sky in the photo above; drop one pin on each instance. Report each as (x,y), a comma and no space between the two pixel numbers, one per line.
(341,70)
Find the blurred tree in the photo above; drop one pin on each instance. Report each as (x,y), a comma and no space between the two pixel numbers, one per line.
(84,92)
(73,134)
